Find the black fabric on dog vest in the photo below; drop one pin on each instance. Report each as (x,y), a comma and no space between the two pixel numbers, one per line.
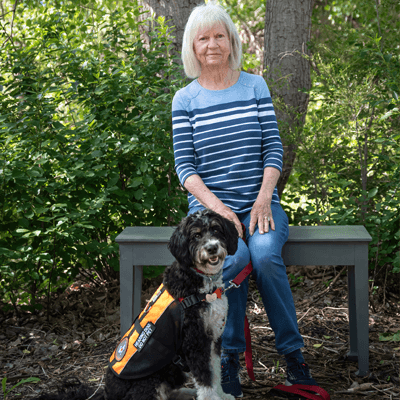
(153,341)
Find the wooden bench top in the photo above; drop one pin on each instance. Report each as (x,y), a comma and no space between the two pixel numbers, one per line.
(325,233)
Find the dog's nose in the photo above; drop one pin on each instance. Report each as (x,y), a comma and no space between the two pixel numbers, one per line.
(211,248)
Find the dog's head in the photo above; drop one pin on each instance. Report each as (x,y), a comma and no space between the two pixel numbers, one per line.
(203,240)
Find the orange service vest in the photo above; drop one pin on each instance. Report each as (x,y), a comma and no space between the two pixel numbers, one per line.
(153,341)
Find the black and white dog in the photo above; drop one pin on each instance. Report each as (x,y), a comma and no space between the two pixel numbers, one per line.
(199,244)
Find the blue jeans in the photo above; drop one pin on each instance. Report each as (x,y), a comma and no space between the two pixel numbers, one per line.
(269,271)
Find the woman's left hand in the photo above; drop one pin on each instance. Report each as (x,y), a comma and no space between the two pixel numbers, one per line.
(261,214)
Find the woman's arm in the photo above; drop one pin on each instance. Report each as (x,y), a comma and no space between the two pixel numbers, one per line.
(195,185)
(270,179)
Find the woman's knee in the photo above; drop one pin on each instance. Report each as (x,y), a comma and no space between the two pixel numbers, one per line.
(270,266)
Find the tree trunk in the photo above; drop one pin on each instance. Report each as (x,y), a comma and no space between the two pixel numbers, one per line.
(287,31)
(178,12)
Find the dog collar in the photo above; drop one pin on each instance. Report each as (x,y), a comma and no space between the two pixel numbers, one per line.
(210,278)
(209,297)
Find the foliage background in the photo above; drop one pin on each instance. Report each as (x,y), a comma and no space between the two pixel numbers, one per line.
(85,143)
(85,134)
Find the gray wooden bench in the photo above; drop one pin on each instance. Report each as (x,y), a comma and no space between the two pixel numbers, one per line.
(307,245)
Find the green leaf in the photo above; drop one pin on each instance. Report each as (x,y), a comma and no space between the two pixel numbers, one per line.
(148,181)
(3,383)
(57,125)
(21,230)
(7,252)
(23,381)
(33,173)
(113,181)
(23,222)
(390,337)
(96,153)
(372,192)
(389,113)
(135,182)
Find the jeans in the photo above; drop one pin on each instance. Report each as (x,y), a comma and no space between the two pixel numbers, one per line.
(269,271)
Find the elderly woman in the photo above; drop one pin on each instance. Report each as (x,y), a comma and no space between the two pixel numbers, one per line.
(228,155)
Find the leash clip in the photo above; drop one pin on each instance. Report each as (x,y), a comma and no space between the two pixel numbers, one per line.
(232,285)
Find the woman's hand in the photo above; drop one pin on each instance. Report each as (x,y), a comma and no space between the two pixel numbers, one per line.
(227,213)
(195,185)
(261,214)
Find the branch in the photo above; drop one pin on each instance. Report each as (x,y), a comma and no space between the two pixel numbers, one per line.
(379,24)
(3,15)
(12,21)
(9,38)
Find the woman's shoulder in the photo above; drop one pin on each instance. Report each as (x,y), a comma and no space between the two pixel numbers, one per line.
(257,82)
(252,80)
(184,95)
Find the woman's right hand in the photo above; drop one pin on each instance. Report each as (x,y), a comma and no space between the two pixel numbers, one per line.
(195,185)
(227,213)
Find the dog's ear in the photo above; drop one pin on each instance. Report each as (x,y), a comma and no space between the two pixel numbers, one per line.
(231,235)
(179,244)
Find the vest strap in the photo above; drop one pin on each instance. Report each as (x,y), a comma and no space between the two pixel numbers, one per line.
(138,328)
(181,363)
(192,300)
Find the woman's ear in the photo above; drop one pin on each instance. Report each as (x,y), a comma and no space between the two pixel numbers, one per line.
(179,244)
(231,236)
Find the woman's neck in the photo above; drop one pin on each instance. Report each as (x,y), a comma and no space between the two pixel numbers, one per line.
(218,79)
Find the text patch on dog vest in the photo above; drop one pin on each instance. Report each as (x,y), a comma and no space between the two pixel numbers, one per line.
(144,336)
(152,341)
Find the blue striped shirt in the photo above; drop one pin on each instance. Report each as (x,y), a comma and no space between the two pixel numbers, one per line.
(227,137)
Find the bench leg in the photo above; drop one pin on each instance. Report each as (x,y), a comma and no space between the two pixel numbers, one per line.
(358,310)
(131,277)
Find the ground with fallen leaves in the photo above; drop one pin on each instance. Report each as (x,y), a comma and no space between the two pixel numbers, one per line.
(83,330)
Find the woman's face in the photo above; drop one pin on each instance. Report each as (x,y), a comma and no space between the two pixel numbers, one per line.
(212,47)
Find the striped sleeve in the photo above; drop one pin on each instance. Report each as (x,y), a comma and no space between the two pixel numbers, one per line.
(182,132)
(272,149)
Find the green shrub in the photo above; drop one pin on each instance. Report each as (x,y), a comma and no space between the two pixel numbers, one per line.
(85,143)
(347,169)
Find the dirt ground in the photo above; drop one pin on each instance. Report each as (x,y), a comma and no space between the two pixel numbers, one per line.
(83,330)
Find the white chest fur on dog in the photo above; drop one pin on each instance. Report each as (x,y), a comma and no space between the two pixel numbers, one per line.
(216,313)
(214,320)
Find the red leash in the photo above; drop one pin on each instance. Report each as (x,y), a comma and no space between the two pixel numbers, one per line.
(248,354)
(303,391)
(235,283)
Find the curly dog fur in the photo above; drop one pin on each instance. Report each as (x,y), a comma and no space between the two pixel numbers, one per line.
(200,242)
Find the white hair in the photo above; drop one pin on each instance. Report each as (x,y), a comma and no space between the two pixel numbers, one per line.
(205,16)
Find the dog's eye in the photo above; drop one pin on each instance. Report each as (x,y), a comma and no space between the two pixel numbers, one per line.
(215,230)
(197,236)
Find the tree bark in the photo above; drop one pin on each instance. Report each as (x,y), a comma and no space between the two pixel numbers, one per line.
(287,31)
(178,12)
